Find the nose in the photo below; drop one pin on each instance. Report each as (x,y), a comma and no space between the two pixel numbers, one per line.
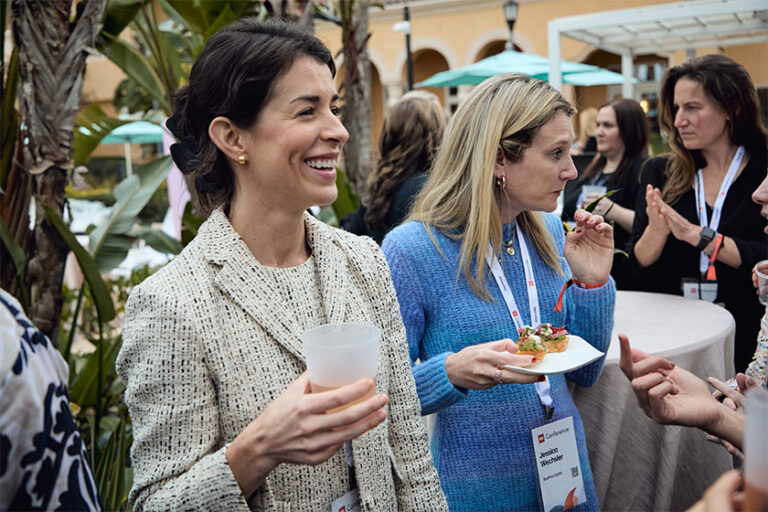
(570,172)
(680,118)
(335,130)
(760,195)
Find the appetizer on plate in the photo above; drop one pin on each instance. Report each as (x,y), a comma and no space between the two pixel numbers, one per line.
(530,344)
(554,338)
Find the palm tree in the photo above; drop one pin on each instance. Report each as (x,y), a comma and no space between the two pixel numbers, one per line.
(356,115)
(53,39)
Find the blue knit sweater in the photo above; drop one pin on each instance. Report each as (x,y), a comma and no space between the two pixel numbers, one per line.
(482,443)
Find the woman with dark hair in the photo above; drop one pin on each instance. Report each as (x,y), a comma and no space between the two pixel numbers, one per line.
(223,417)
(695,230)
(622,138)
(409,139)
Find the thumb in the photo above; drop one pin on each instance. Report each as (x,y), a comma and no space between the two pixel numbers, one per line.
(301,385)
(505,345)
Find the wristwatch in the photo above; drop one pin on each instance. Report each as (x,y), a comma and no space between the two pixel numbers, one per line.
(707,235)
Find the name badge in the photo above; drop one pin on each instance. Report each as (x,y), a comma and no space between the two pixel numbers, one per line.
(704,290)
(557,462)
(350,502)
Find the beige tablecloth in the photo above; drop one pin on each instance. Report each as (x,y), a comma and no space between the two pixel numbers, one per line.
(637,464)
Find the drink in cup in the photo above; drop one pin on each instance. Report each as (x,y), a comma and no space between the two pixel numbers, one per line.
(761,271)
(340,354)
(755,450)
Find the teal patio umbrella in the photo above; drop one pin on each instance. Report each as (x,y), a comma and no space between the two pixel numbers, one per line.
(510,61)
(136,132)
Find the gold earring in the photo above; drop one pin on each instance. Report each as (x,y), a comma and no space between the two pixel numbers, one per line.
(241,160)
(501,181)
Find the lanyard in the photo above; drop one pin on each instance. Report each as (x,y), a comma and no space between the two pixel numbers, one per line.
(542,388)
(717,211)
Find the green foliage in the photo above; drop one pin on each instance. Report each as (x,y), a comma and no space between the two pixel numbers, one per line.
(95,389)
(190,224)
(101,194)
(91,126)
(17,257)
(87,264)
(110,241)
(346,201)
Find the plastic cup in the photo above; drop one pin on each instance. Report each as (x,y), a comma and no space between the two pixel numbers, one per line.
(756,451)
(761,271)
(340,354)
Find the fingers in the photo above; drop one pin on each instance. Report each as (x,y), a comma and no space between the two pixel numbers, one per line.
(745,382)
(652,364)
(625,359)
(719,496)
(521,361)
(366,414)
(512,377)
(322,402)
(642,386)
(734,397)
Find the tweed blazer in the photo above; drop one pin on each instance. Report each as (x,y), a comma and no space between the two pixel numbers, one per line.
(206,348)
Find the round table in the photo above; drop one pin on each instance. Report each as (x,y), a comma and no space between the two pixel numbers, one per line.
(637,464)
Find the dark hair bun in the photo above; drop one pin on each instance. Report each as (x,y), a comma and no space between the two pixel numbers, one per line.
(184,150)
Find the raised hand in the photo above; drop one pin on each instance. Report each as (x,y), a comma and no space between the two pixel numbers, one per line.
(721,496)
(679,226)
(666,393)
(589,248)
(298,428)
(657,222)
(479,366)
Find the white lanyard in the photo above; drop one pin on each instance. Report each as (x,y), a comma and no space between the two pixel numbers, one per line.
(542,388)
(701,205)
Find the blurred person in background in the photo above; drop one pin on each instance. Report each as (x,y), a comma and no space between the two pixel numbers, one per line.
(695,233)
(587,143)
(409,139)
(622,139)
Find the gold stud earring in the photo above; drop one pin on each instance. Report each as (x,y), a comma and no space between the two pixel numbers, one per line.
(501,181)
(241,160)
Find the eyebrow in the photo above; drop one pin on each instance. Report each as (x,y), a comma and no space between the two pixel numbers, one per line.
(313,99)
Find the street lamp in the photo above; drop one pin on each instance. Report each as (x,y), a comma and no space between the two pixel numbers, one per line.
(510,14)
(405,28)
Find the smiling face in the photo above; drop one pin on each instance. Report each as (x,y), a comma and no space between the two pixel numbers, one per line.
(294,146)
(609,143)
(700,122)
(760,196)
(535,181)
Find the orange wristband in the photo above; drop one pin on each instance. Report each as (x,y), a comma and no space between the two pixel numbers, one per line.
(580,284)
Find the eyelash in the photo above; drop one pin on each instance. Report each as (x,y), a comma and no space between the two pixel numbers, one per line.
(336,111)
(557,154)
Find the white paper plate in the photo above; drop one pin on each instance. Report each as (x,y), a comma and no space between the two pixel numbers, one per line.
(579,353)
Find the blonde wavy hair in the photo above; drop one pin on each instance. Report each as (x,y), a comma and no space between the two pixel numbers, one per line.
(460,198)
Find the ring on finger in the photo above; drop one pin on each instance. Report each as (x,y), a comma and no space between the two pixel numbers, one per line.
(497,376)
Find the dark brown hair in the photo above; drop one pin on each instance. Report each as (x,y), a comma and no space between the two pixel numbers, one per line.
(727,84)
(633,130)
(233,77)
(409,139)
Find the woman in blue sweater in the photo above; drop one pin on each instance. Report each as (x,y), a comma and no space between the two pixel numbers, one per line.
(477,228)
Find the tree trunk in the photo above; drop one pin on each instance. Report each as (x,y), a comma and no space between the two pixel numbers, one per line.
(53,41)
(356,115)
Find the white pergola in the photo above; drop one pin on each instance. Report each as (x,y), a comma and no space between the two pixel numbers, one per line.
(660,29)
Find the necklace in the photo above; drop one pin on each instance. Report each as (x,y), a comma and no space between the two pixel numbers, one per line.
(509,245)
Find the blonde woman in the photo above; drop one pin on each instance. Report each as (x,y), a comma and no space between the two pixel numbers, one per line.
(475,230)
